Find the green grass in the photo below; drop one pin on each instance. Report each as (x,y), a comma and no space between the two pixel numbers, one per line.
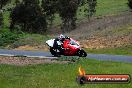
(124,50)
(107,7)
(110,7)
(31,39)
(16,39)
(60,75)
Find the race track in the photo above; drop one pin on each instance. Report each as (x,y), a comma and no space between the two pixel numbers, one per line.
(120,58)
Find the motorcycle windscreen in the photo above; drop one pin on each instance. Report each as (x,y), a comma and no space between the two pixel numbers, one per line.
(50,42)
(72,42)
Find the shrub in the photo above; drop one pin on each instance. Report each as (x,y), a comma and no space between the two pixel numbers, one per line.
(1,19)
(7,37)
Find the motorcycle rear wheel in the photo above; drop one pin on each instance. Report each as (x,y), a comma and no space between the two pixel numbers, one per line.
(54,52)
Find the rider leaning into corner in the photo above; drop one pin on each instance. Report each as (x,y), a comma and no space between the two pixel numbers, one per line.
(60,39)
(63,45)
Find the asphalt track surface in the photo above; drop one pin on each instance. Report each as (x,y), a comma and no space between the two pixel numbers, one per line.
(119,58)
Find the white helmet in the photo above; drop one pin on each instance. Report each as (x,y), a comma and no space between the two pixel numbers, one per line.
(61,36)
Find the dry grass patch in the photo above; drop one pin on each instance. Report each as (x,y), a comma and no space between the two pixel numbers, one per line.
(22,61)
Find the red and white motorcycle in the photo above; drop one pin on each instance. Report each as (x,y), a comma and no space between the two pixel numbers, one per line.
(71,48)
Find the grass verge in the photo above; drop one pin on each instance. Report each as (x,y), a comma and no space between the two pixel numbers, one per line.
(124,50)
(31,40)
(60,75)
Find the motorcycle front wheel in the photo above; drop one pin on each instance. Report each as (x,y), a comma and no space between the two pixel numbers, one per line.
(81,53)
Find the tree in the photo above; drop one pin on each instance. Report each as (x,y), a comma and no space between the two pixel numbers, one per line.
(17,2)
(3,3)
(31,2)
(28,15)
(130,4)
(91,7)
(1,19)
(67,10)
(49,9)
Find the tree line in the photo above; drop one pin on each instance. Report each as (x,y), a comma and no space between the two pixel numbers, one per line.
(35,16)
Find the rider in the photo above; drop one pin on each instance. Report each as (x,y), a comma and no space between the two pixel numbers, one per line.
(60,39)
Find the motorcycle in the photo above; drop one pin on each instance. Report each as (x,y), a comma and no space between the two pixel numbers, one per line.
(71,48)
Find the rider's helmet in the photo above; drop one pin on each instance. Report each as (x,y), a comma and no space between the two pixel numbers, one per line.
(61,37)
